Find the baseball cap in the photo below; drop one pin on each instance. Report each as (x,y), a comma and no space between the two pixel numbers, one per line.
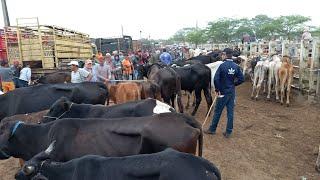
(74,63)
(228,51)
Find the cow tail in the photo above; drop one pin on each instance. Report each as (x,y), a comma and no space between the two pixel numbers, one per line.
(195,124)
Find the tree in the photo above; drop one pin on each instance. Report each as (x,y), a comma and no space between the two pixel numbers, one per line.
(228,29)
(289,26)
(222,30)
(180,36)
(196,36)
(316,32)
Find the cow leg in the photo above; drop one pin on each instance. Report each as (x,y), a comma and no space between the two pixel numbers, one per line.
(270,75)
(208,97)
(253,89)
(188,101)
(172,100)
(254,86)
(194,98)
(276,74)
(198,101)
(261,78)
(281,92)
(289,87)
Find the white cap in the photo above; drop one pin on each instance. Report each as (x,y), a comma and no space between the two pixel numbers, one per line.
(74,63)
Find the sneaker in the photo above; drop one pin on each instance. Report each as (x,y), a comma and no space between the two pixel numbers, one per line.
(226,135)
(209,132)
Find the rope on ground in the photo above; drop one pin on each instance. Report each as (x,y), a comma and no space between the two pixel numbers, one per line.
(205,120)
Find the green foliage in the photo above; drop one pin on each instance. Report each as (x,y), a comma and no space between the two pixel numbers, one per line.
(229,29)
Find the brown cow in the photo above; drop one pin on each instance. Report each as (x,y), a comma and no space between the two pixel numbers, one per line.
(149,89)
(27,118)
(285,77)
(124,92)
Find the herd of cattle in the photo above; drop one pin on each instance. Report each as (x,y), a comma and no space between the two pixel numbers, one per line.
(275,72)
(65,131)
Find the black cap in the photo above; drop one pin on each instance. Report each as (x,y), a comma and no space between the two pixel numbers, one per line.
(228,51)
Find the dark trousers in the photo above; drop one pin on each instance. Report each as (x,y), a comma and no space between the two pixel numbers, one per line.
(227,100)
(22,83)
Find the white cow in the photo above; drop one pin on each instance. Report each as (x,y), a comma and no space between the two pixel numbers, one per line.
(273,78)
(214,67)
(259,76)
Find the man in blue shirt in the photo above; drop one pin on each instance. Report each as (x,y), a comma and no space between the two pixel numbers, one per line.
(226,78)
(165,57)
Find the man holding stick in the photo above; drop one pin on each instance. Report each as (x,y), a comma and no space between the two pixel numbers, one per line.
(226,78)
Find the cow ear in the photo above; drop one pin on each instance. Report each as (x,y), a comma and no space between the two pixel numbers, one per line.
(50,148)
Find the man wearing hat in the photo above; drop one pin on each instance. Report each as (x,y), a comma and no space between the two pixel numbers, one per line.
(226,78)
(79,75)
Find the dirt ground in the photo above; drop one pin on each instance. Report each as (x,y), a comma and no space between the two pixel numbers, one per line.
(270,141)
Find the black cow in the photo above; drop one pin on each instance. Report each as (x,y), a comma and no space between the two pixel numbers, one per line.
(63,108)
(166,165)
(196,77)
(54,78)
(114,137)
(41,97)
(168,80)
(203,59)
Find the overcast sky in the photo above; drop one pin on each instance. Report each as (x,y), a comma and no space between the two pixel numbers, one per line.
(159,19)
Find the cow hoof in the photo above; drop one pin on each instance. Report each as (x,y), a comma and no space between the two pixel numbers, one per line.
(256,98)
(287,105)
(281,103)
(252,97)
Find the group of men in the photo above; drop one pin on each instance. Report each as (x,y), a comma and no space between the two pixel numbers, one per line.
(14,76)
(118,66)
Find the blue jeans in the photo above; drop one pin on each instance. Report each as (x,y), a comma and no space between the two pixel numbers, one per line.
(228,100)
(135,74)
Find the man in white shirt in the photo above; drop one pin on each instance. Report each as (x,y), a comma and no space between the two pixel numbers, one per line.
(25,76)
(79,75)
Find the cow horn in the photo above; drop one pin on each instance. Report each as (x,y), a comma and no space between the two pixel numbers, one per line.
(50,148)
(28,170)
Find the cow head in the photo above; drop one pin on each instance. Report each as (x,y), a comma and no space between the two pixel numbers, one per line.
(7,132)
(143,70)
(57,110)
(31,169)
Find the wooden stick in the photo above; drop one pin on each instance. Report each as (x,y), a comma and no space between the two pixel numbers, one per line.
(205,120)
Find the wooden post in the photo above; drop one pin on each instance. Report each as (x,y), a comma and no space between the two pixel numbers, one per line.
(19,43)
(301,65)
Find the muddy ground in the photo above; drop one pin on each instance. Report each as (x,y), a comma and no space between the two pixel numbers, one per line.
(270,141)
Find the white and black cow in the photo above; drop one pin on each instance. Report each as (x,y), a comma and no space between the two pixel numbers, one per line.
(63,108)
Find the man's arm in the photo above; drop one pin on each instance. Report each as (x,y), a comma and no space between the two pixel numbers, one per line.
(239,76)
(86,74)
(29,76)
